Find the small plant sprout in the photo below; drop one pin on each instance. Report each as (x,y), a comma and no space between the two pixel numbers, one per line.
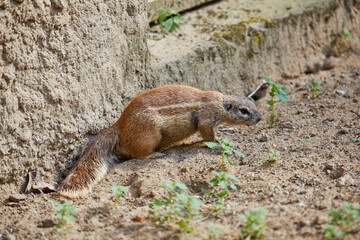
(66,213)
(214,231)
(345,33)
(224,181)
(272,157)
(279,91)
(315,88)
(254,223)
(357,139)
(169,20)
(304,143)
(189,207)
(178,206)
(119,192)
(342,221)
(225,147)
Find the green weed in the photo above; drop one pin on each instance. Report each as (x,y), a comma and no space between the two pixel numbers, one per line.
(356,139)
(304,143)
(214,231)
(223,181)
(119,192)
(254,223)
(226,149)
(343,221)
(66,213)
(273,155)
(345,33)
(315,88)
(169,20)
(279,91)
(179,206)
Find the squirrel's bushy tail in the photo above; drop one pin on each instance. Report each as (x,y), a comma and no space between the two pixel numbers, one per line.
(92,165)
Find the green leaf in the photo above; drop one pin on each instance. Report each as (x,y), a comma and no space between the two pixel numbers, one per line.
(167,25)
(214,182)
(222,184)
(173,28)
(158,202)
(163,14)
(239,153)
(69,218)
(226,142)
(179,19)
(216,173)
(232,186)
(72,211)
(269,102)
(230,176)
(282,96)
(173,12)
(182,223)
(347,33)
(268,80)
(206,191)
(211,145)
(181,186)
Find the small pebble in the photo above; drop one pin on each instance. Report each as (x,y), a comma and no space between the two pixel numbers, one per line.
(263,138)
(137,218)
(46,224)
(340,92)
(346,180)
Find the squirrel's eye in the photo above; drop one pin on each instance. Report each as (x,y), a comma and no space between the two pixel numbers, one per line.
(244,111)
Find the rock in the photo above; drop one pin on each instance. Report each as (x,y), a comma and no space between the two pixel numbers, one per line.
(184,170)
(9,237)
(334,172)
(346,180)
(340,92)
(137,218)
(263,138)
(58,4)
(312,134)
(17,197)
(48,223)
(342,131)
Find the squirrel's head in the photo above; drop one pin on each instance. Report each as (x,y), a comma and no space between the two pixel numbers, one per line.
(240,111)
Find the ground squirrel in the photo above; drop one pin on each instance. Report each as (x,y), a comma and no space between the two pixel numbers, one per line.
(153,120)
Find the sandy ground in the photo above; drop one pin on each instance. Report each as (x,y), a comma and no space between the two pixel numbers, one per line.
(297,190)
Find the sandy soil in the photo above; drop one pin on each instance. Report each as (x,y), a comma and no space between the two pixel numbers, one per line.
(297,190)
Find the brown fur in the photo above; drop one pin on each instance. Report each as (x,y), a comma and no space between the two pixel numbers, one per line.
(152,121)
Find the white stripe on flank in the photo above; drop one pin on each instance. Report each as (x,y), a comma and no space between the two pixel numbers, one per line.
(180,105)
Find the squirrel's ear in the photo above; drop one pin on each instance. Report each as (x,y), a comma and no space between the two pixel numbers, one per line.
(227,105)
